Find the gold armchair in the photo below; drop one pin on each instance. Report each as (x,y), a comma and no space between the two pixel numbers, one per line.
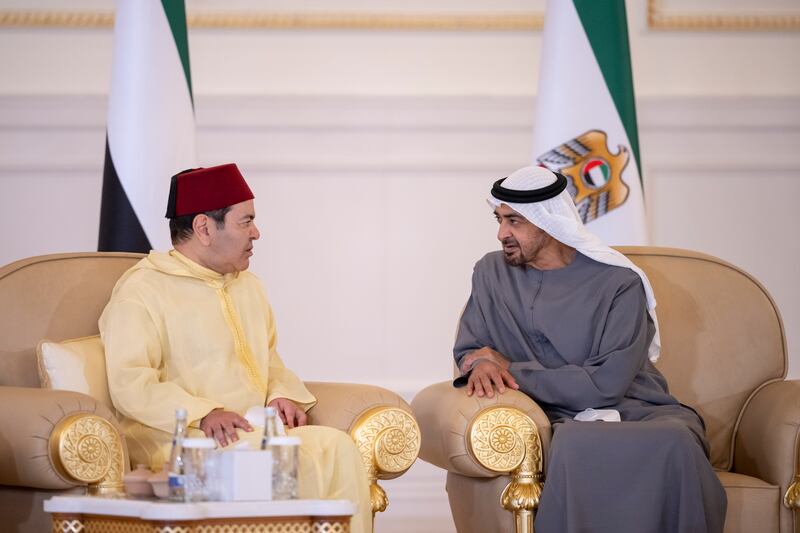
(55,441)
(723,353)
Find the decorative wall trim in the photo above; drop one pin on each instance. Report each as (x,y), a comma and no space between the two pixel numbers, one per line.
(403,134)
(445,112)
(659,18)
(294,21)
(58,19)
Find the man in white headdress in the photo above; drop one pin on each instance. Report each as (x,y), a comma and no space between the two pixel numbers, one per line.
(571,323)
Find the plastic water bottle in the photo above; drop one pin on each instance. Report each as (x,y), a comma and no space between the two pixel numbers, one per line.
(176,479)
(285,460)
(200,470)
(270,426)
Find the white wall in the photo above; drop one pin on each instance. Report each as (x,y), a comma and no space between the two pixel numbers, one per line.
(370,154)
(372,211)
(259,61)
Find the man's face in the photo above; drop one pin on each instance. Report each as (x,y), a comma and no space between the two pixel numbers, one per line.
(230,247)
(522,241)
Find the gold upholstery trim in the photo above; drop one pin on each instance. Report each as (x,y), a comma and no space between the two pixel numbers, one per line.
(389,440)
(295,21)
(506,441)
(657,19)
(88,449)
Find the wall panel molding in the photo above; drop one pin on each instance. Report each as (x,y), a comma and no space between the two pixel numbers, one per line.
(397,133)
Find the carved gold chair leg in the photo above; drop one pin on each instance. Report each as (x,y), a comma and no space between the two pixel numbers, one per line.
(792,501)
(506,441)
(389,440)
(521,497)
(88,448)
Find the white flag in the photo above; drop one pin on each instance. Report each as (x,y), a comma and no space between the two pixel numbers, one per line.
(586,118)
(151,131)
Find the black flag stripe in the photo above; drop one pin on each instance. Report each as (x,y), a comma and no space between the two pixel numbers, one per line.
(120,229)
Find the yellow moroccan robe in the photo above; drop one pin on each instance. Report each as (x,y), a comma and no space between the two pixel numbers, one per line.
(177,334)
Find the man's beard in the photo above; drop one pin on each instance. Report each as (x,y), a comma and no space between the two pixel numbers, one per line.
(521,256)
(516,258)
(513,260)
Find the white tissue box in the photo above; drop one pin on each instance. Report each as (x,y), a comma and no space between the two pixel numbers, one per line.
(245,475)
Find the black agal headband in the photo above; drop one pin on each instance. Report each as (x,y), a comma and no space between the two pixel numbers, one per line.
(529,197)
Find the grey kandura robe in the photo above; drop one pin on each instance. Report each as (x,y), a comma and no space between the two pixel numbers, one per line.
(577,337)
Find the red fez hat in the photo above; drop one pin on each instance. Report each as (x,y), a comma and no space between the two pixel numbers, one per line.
(199,190)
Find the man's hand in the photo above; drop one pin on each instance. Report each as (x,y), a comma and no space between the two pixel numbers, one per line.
(291,415)
(484,353)
(486,375)
(221,425)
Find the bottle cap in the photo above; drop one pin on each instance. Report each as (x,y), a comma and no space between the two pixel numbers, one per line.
(284,441)
(180,412)
(270,411)
(208,444)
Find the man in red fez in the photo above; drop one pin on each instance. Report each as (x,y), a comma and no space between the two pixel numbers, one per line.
(201,201)
(192,329)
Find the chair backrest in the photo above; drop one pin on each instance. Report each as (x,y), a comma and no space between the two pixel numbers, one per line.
(721,334)
(721,337)
(56,297)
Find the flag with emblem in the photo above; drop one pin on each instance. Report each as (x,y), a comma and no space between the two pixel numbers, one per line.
(150,134)
(585,124)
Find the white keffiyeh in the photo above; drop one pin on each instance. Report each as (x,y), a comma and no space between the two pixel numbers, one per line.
(559,218)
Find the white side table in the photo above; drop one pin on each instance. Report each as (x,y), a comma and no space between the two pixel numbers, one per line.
(79,514)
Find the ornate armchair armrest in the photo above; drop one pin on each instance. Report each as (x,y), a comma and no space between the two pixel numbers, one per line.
(51,439)
(766,443)
(447,416)
(487,437)
(381,424)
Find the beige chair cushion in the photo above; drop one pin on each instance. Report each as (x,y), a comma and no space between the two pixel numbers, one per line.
(753,505)
(77,365)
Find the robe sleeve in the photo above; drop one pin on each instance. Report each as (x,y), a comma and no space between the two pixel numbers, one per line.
(472,332)
(603,379)
(282,382)
(134,366)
